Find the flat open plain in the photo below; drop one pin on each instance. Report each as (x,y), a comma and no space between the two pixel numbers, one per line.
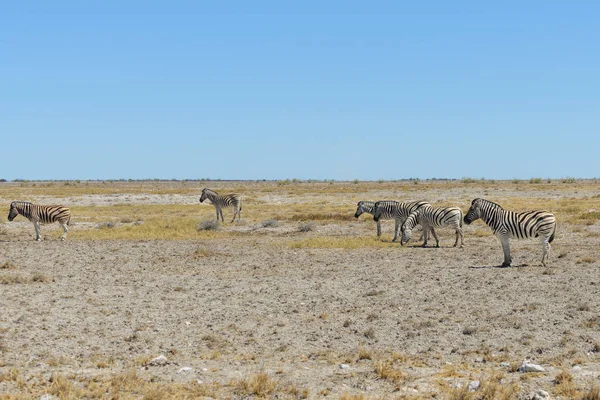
(299,299)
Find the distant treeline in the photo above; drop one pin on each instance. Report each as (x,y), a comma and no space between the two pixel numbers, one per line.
(295,180)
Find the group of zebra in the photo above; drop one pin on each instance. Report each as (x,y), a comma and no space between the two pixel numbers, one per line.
(407,215)
(505,224)
(41,214)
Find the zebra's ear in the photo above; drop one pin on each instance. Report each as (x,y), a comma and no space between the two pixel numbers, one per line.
(474,200)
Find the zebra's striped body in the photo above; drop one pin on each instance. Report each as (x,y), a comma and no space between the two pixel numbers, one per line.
(368,206)
(39,214)
(221,202)
(509,224)
(398,211)
(428,216)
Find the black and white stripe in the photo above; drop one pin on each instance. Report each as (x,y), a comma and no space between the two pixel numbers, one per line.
(368,206)
(220,202)
(509,224)
(428,216)
(39,214)
(398,211)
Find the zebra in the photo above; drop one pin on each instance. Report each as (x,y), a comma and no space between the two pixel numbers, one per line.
(220,202)
(39,214)
(398,211)
(367,207)
(509,224)
(435,217)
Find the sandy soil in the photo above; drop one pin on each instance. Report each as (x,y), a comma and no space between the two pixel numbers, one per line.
(317,319)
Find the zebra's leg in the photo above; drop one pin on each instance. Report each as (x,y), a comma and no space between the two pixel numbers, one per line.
(217,210)
(425,229)
(459,233)
(235,211)
(38,236)
(379,229)
(437,240)
(221,212)
(506,249)
(396,226)
(545,249)
(65,230)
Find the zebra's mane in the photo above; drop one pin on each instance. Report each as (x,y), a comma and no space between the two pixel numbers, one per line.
(488,202)
(209,191)
(19,203)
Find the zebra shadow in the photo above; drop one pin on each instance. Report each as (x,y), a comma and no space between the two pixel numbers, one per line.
(498,266)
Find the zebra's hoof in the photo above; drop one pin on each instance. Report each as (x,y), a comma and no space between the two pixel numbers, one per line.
(505,265)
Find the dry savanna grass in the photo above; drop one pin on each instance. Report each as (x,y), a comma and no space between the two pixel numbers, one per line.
(17,278)
(297,287)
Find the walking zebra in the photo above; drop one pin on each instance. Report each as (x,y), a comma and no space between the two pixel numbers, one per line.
(367,207)
(220,202)
(398,211)
(428,216)
(39,214)
(509,224)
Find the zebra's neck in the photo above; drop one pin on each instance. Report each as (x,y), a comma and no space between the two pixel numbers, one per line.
(23,208)
(493,215)
(367,207)
(211,195)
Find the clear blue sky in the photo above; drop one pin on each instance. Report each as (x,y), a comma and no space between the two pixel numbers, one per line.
(315,89)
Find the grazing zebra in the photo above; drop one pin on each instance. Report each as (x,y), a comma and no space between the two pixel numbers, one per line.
(509,224)
(435,217)
(367,207)
(220,202)
(398,211)
(39,214)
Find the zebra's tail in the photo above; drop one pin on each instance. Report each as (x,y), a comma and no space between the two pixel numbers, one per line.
(241,202)
(552,236)
(69,220)
(461,218)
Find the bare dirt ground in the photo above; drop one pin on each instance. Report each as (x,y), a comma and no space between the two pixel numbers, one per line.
(271,311)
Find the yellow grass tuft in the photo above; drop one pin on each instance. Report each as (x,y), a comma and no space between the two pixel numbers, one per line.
(260,385)
(386,370)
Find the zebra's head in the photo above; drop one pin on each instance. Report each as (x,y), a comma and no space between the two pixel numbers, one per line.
(407,228)
(203,196)
(13,211)
(359,209)
(474,212)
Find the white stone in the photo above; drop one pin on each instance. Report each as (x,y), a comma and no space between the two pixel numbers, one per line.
(184,369)
(48,397)
(526,367)
(473,386)
(504,364)
(540,395)
(344,366)
(160,360)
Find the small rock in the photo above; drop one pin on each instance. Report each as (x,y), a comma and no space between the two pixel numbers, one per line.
(526,367)
(204,369)
(540,395)
(344,366)
(160,360)
(473,386)
(48,397)
(576,368)
(505,364)
(184,369)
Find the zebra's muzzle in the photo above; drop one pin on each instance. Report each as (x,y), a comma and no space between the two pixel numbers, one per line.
(467,220)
